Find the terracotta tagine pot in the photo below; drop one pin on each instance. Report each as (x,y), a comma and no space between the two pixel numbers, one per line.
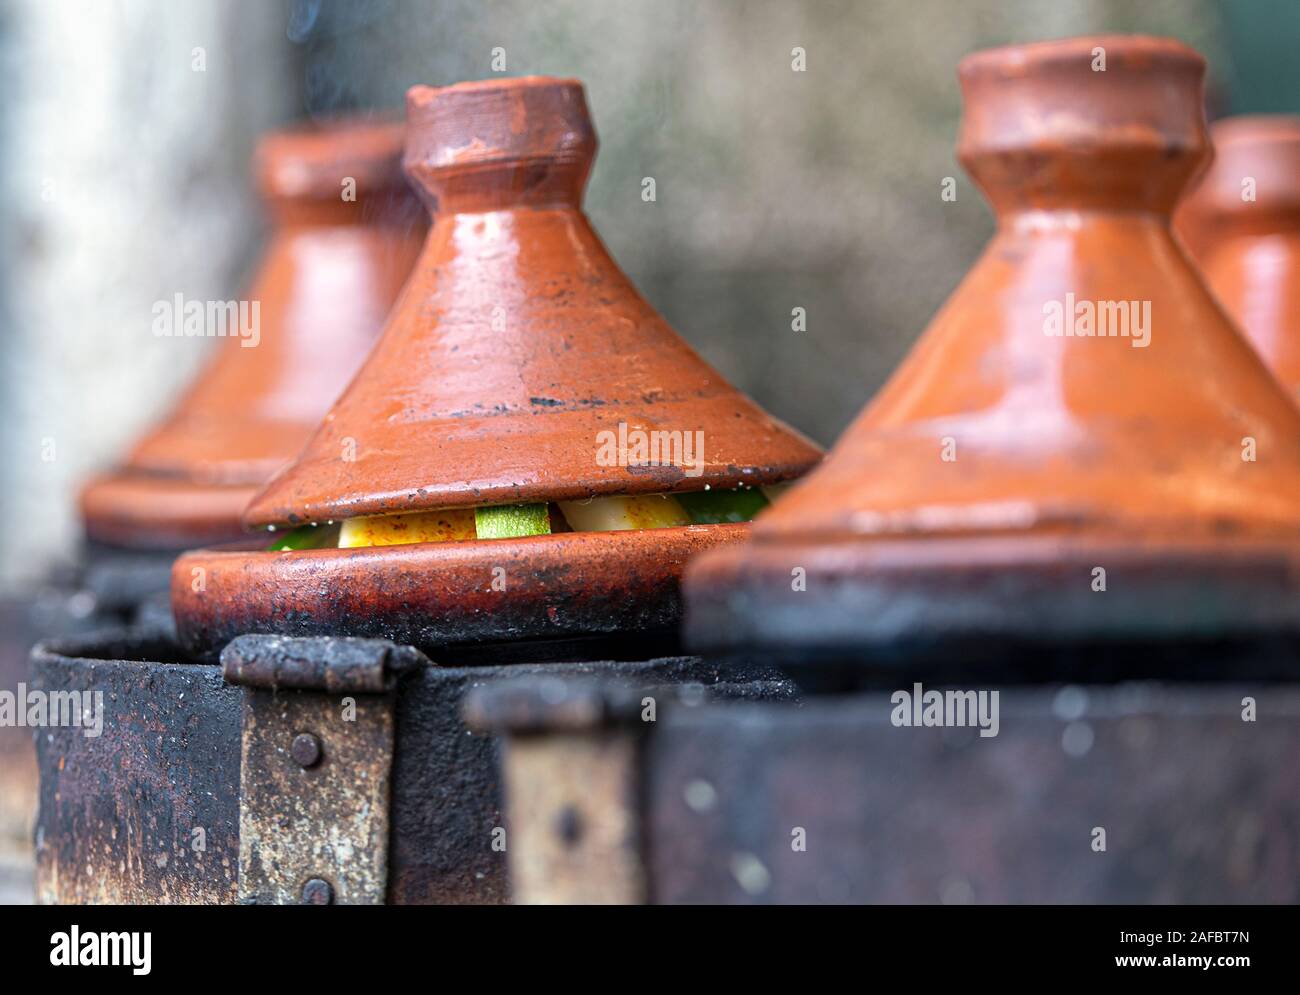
(1245,220)
(488,475)
(1018,477)
(346,232)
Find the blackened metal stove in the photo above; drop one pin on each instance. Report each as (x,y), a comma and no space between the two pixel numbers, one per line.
(1141,792)
(297,770)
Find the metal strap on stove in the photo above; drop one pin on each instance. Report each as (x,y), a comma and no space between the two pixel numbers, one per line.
(316,765)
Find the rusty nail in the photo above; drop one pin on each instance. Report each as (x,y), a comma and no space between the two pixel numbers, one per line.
(305,749)
(568,825)
(317,892)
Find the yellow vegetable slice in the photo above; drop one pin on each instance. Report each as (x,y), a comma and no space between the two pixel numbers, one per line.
(613,514)
(447,525)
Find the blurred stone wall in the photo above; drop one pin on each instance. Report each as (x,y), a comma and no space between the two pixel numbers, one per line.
(775,189)
(124,142)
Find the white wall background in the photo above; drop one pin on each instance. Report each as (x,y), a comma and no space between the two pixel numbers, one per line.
(122,181)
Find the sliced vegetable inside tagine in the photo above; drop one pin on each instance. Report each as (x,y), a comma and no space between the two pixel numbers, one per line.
(603,514)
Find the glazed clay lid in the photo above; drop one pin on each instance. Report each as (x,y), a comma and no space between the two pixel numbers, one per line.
(519,347)
(1006,459)
(1050,430)
(347,230)
(1243,220)
(331,271)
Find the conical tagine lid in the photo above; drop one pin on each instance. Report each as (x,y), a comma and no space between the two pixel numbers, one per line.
(1081,445)
(530,452)
(521,357)
(1246,213)
(347,229)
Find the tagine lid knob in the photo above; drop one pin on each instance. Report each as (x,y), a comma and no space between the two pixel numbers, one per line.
(1255,176)
(1110,121)
(513,141)
(520,358)
(333,160)
(1242,223)
(1081,396)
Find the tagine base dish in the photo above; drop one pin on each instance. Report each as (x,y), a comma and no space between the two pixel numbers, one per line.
(140,511)
(1004,605)
(555,586)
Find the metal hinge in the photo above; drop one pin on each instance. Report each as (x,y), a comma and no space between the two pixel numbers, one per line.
(316,765)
